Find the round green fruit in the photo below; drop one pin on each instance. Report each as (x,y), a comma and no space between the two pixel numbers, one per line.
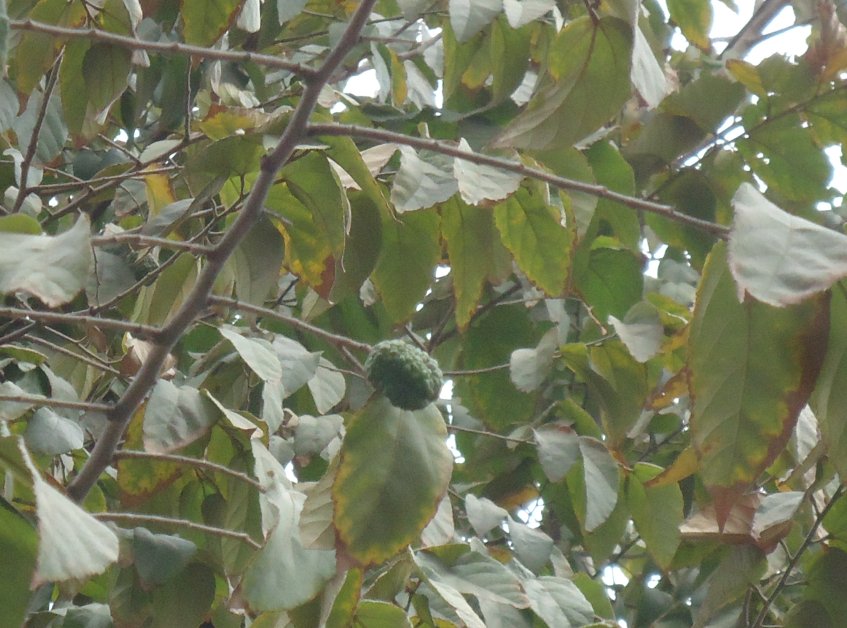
(407,376)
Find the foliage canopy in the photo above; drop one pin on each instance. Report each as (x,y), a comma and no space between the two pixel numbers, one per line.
(627,256)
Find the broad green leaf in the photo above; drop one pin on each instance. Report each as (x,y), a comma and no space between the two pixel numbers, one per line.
(10,410)
(483,514)
(775,515)
(788,159)
(363,246)
(532,546)
(479,183)
(640,330)
(327,386)
(587,83)
(475,251)
(707,100)
(52,268)
(138,480)
(203,23)
(284,574)
(155,304)
(558,602)
(473,573)
(601,478)
(346,599)
(299,365)
(424,179)
(825,577)
(111,276)
(316,530)
(257,262)
(410,251)
(441,529)
(52,434)
(160,557)
(694,18)
(608,277)
(468,17)
(186,599)
(36,51)
(19,547)
(528,368)
(617,383)
(72,545)
(376,614)
(393,470)
(490,340)
(289,9)
(176,416)
(752,368)
(558,450)
(779,258)
(534,232)
(237,155)
(741,567)
(105,69)
(257,353)
(313,434)
(648,77)
(657,512)
(829,399)
(522,12)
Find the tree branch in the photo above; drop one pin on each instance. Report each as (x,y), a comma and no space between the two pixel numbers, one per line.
(135,518)
(146,240)
(147,375)
(39,400)
(171,48)
(438,146)
(136,329)
(192,462)
(335,339)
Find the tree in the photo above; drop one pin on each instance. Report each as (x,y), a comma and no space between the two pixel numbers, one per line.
(628,260)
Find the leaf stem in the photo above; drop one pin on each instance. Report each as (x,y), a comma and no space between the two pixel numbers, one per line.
(135,518)
(192,462)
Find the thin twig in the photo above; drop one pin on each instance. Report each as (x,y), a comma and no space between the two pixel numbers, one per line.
(470,430)
(171,48)
(137,329)
(197,300)
(445,148)
(36,132)
(335,339)
(192,462)
(792,562)
(480,371)
(76,356)
(50,402)
(146,240)
(136,518)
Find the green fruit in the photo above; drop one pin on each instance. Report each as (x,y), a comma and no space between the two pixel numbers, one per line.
(409,377)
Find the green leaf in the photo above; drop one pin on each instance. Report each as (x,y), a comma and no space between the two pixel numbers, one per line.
(289,9)
(694,18)
(72,545)
(19,546)
(779,258)
(609,278)
(532,546)
(105,69)
(472,573)
(640,330)
(490,340)
(468,17)
(160,557)
(588,82)
(393,470)
(48,433)
(344,605)
(534,232)
(376,614)
(528,368)
(257,353)
(327,386)
(601,478)
(425,178)
(176,416)
(558,450)
(520,13)
(483,514)
(299,365)
(752,367)
(829,399)
(478,183)
(657,512)
(283,574)
(475,251)
(410,251)
(257,262)
(558,602)
(52,268)
(203,23)
(648,77)
(186,599)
